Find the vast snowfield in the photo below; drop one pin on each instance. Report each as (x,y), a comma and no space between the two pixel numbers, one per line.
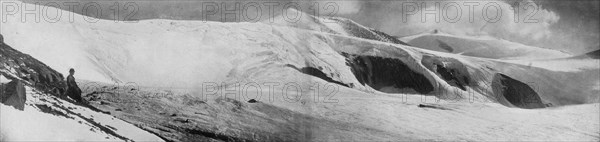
(313,80)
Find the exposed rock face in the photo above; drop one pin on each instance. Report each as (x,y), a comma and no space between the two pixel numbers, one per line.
(317,73)
(450,70)
(512,92)
(589,55)
(13,94)
(19,66)
(379,73)
(594,54)
(445,46)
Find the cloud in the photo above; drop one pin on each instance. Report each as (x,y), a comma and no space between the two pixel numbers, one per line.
(342,7)
(495,18)
(546,24)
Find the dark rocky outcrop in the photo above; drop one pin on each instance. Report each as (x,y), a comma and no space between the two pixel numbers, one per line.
(594,54)
(317,73)
(16,65)
(512,92)
(13,94)
(589,55)
(445,46)
(450,70)
(252,101)
(433,106)
(379,72)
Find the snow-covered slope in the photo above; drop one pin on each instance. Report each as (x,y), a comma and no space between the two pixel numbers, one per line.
(486,47)
(48,118)
(166,53)
(187,55)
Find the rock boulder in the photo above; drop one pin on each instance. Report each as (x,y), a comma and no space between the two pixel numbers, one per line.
(13,94)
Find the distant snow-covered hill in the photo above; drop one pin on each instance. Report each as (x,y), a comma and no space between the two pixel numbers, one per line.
(486,47)
(333,25)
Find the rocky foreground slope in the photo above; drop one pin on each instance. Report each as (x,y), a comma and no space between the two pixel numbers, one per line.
(42,113)
(18,66)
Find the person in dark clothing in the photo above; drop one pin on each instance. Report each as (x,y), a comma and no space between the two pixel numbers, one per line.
(73,90)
